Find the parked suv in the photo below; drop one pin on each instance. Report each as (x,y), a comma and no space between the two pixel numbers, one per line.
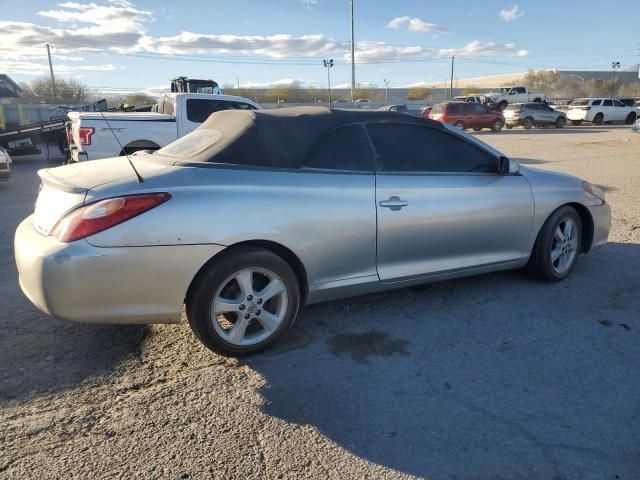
(600,110)
(467,115)
(533,114)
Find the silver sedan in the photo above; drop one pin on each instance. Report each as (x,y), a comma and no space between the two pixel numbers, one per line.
(257,213)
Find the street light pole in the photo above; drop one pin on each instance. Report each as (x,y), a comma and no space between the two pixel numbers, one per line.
(614,65)
(353,59)
(386,90)
(53,81)
(453,57)
(328,63)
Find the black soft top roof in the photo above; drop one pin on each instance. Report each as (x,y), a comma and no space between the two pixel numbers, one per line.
(282,137)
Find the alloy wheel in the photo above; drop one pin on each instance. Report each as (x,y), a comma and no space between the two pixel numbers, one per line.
(249,306)
(564,247)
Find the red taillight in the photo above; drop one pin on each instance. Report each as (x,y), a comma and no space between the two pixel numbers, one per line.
(585,108)
(85,135)
(103,214)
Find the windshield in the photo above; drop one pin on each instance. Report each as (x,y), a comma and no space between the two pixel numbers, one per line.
(192,143)
(580,102)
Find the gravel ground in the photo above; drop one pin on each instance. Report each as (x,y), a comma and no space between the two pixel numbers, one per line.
(492,377)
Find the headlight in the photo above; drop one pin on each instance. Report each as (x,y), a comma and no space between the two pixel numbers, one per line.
(591,189)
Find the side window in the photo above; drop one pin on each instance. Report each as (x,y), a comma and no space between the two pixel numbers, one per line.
(467,109)
(413,148)
(533,106)
(513,91)
(618,103)
(480,108)
(596,102)
(521,90)
(454,109)
(198,110)
(344,148)
(607,103)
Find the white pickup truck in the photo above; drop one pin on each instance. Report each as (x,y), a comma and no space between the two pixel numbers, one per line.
(92,135)
(503,96)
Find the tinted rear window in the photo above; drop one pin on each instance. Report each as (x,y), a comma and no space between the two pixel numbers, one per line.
(453,109)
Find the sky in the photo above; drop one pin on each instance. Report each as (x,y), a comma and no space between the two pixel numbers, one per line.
(138,45)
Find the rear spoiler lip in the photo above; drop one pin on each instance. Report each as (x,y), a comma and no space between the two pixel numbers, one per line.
(53,181)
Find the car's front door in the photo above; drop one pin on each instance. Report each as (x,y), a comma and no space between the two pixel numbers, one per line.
(441,204)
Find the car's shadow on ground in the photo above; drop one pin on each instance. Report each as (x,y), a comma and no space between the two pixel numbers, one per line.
(37,352)
(496,376)
(545,130)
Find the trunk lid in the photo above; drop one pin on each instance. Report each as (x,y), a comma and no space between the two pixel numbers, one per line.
(65,188)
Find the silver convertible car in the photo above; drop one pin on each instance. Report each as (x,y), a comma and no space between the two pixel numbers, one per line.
(257,213)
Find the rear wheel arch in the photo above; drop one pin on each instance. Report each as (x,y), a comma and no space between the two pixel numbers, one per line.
(278,249)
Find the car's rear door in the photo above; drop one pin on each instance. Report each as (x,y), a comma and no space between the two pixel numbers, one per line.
(620,111)
(441,205)
(607,110)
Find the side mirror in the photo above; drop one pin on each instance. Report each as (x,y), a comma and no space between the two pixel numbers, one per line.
(507,166)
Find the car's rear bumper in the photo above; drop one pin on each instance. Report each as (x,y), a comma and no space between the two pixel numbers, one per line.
(80,282)
(578,115)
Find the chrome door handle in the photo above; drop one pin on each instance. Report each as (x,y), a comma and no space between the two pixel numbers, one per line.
(394,203)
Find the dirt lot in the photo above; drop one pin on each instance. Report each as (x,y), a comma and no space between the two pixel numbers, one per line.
(492,377)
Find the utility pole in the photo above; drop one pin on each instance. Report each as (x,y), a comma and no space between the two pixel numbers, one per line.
(453,57)
(353,58)
(328,64)
(386,90)
(237,82)
(53,81)
(614,65)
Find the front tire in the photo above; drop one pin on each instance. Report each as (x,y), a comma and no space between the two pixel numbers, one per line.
(631,118)
(528,123)
(497,126)
(560,122)
(459,124)
(557,247)
(243,301)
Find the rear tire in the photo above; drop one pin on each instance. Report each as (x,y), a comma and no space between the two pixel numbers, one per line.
(229,307)
(557,247)
(631,118)
(560,122)
(502,105)
(598,119)
(509,127)
(459,124)
(496,126)
(528,123)
(576,123)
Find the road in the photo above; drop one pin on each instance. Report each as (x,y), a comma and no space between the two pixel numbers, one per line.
(491,377)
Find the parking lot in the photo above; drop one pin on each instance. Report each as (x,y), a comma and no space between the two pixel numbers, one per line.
(495,376)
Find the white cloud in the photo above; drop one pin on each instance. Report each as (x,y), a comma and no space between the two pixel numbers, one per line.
(415,24)
(477,48)
(275,46)
(310,3)
(512,14)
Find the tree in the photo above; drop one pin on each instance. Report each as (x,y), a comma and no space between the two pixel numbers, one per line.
(630,90)
(420,93)
(67,91)
(139,99)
